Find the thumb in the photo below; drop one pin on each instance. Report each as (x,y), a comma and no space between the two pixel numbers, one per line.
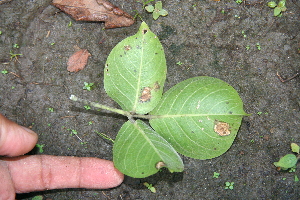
(15,139)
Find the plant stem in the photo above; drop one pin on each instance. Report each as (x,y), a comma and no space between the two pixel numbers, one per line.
(98,105)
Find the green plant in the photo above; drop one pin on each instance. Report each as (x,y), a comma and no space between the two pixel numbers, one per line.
(87,107)
(51,109)
(40,147)
(198,117)
(4,71)
(239,1)
(16,46)
(14,55)
(258,46)
(229,185)
(150,187)
(216,175)
(88,86)
(278,8)
(289,161)
(156,10)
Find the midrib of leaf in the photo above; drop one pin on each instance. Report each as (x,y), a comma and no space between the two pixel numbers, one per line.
(147,139)
(140,75)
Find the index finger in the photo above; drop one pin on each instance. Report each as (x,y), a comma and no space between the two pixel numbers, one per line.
(43,172)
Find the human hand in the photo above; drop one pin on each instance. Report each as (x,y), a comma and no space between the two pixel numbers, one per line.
(42,172)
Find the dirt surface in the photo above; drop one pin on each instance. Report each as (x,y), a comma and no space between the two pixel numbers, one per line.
(200,38)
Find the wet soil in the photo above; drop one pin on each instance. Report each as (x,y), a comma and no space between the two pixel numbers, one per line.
(242,44)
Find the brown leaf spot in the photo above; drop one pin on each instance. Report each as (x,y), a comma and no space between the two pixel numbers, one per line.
(95,10)
(146,94)
(160,164)
(156,86)
(222,128)
(78,60)
(127,47)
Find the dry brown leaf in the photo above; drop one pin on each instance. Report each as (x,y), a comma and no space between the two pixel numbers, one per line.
(95,10)
(78,60)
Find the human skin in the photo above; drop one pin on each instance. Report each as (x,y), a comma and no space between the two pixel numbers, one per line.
(21,174)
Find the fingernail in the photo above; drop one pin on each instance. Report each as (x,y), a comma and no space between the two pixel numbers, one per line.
(28,130)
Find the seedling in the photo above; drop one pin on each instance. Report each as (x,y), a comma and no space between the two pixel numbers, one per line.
(247,47)
(179,63)
(229,185)
(244,34)
(70,24)
(87,107)
(198,117)
(40,147)
(239,1)
(14,55)
(51,109)
(156,10)
(88,86)
(150,187)
(216,175)
(16,46)
(4,71)
(258,46)
(278,8)
(289,161)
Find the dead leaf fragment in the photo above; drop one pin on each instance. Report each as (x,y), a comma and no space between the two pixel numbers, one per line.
(78,60)
(95,10)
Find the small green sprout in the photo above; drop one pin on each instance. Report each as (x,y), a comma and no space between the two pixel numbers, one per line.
(150,187)
(216,175)
(244,34)
(13,87)
(88,86)
(49,124)
(229,185)
(239,1)
(247,47)
(70,24)
(73,131)
(90,122)
(87,107)
(40,147)
(14,55)
(223,11)
(0,32)
(16,46)
(258,46)
(252,141)
(4,71)
(156,10)
(51,109)
(259,113)
(278,8)
(179,63)
(52,43)
(296,179)
(284,178)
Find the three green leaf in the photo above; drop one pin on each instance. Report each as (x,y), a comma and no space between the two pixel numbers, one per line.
(198,117)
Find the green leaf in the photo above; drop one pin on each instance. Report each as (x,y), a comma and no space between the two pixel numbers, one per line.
(277,11)
(199,117)
(135,72)
(149,8)
(287,161)
(295,148)
(140,152)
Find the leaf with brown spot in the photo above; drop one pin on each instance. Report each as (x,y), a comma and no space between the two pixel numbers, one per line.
(95,10)
(78,60)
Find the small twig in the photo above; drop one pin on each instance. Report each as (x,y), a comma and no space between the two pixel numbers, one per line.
(288,79)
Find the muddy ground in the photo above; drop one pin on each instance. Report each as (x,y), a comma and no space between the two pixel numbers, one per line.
(212,38)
